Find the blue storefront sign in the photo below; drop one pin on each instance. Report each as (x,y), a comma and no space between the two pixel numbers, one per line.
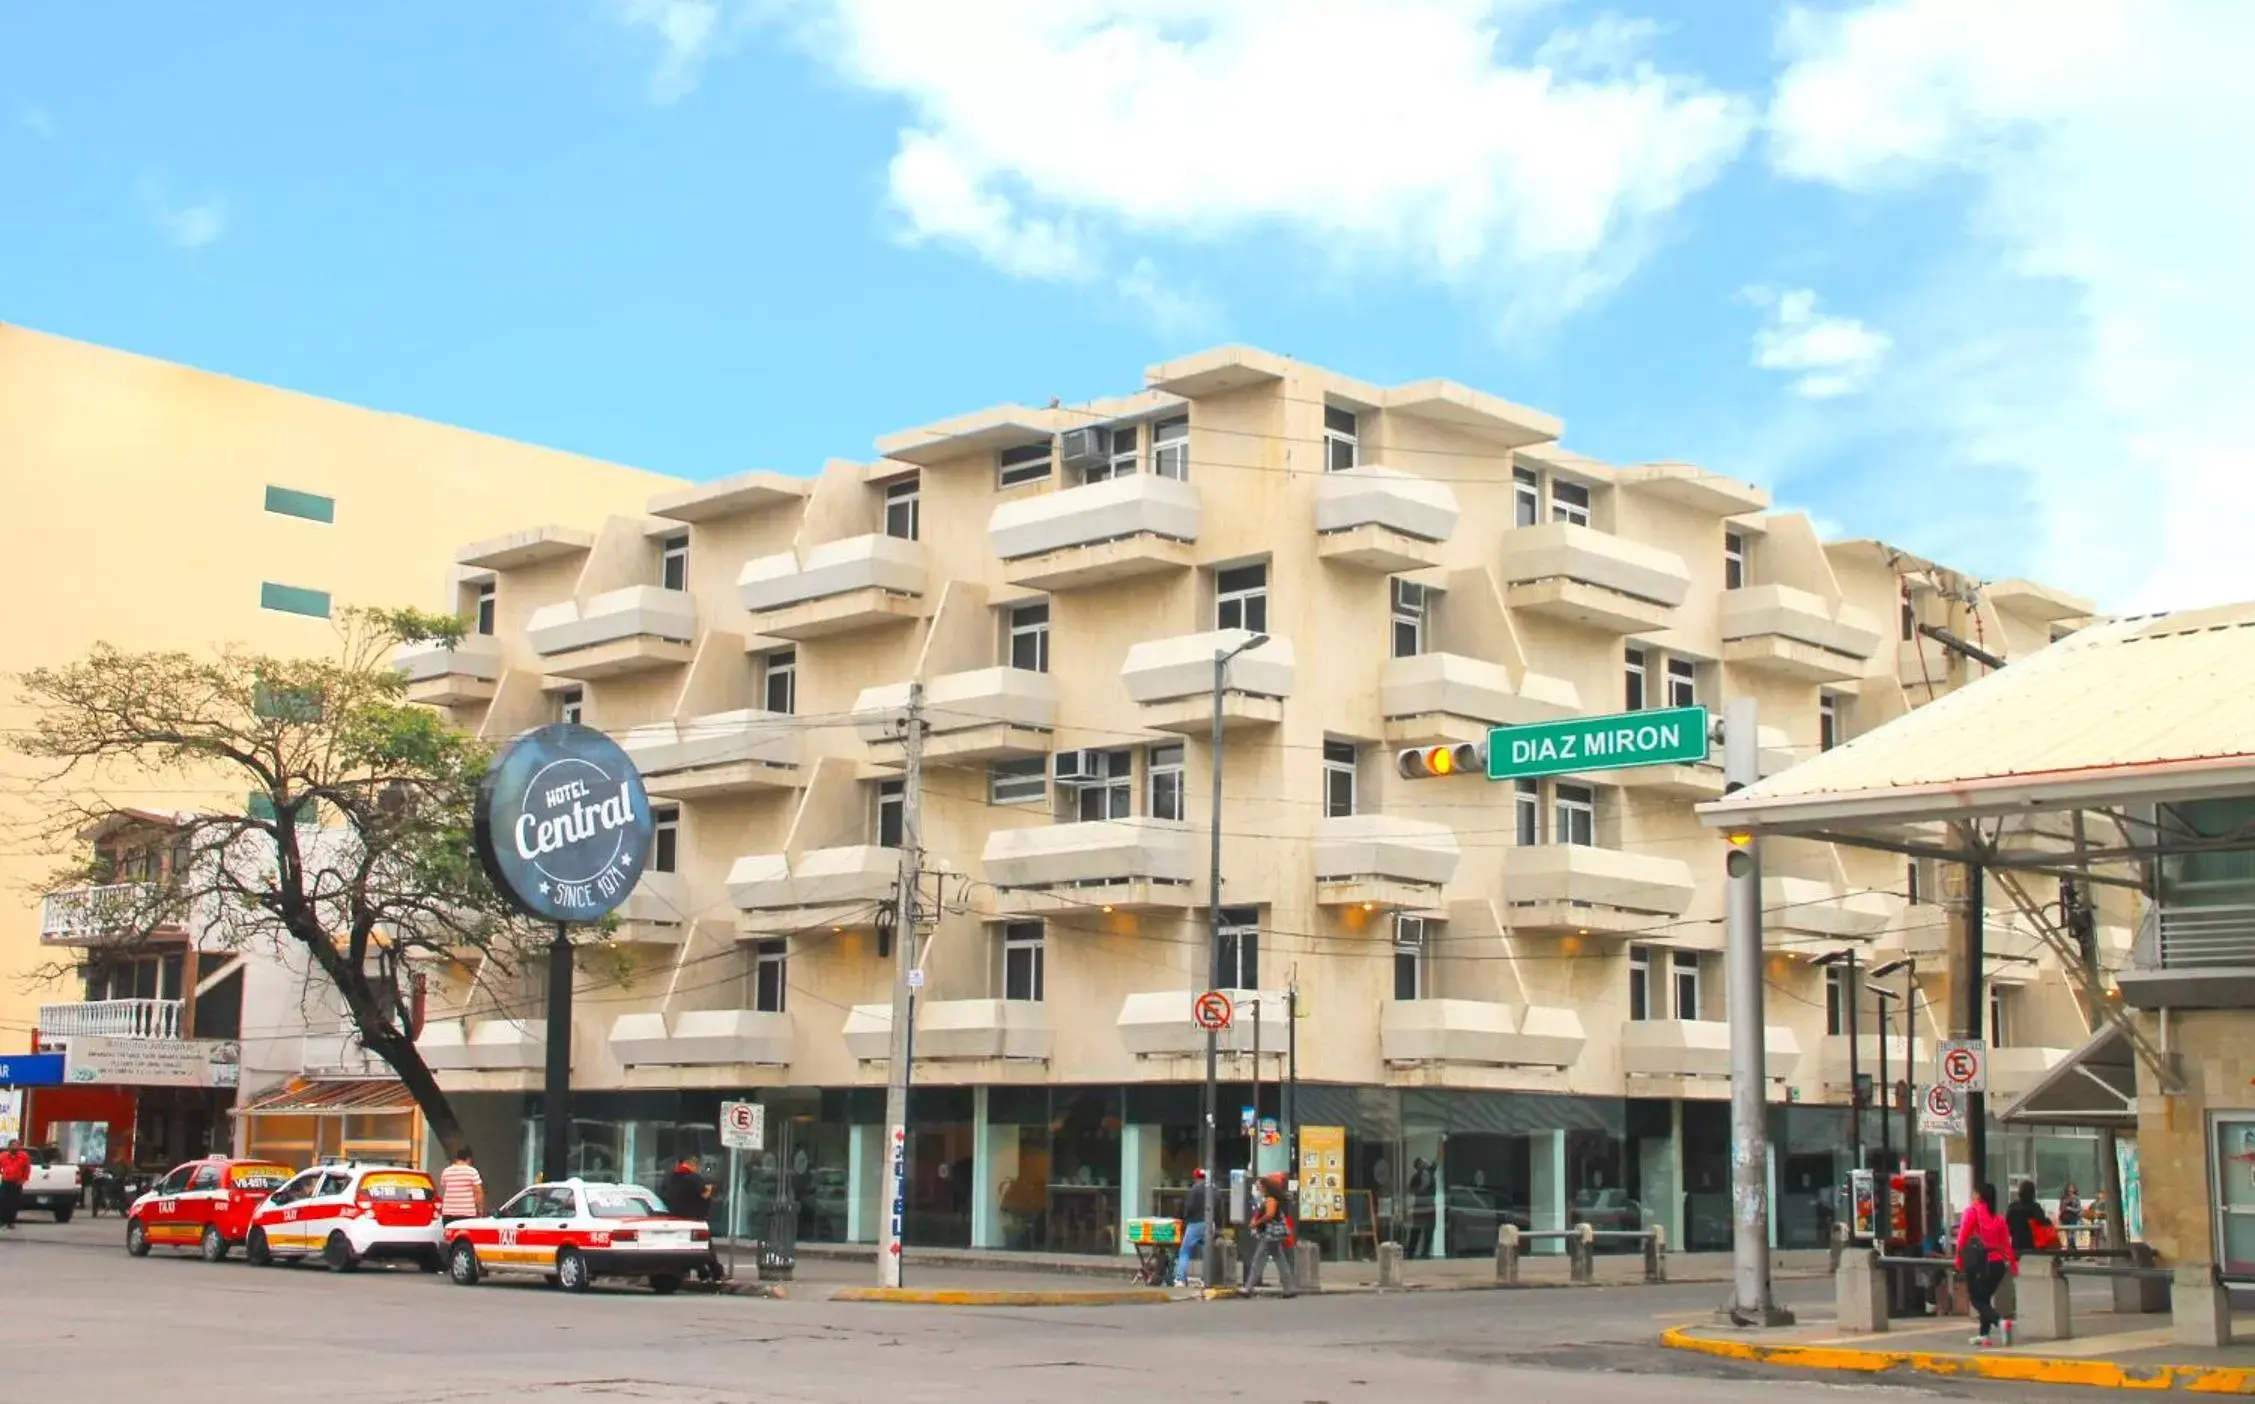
(563,823)
(31,1070)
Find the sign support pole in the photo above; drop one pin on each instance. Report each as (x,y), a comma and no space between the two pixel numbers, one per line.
(1211,1269)
(1753,1303)
(555,1151)
(735,1206)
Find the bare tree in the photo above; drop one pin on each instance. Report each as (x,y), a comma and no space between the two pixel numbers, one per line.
(356,846)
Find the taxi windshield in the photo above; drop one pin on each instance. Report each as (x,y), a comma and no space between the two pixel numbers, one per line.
(622,1203)
(260,1177)
(400,1187)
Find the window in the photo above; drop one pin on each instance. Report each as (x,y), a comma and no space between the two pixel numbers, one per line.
(1022,960)
(1028,463)
(1338,779)
(1170,448)
(1165,775)
(1835,1000)
(1910,620)
(781,682)
(1683,683)
(1686,989)
(1241,599)
(1029,638)
(673,563)
(1569,502)
(571,705)
(1526,497)
(1734,560)
(1527,806)
(1022,781)
(892,813)
(1123,441)
(1409,957)
(902,517)
(1240,948)
(770,976)
(485,609)
(1828,722)
(289,502)
(1107,787)
(665,838)
(1640,983)
(1633,668)
(293,599)
(1340,442)
(1910,881)
(1410,605)
(207,1178)
(1576,815)
(1997,1025)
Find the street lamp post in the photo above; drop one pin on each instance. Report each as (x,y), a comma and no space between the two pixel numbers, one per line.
(1214,1182)
(1851,997)
(1909,997)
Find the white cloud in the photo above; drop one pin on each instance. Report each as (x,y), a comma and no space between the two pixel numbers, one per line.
(194,226)
(2097,337)
(1176,314)
(38,121)
(1043,133)
(1829,355)
(687,32)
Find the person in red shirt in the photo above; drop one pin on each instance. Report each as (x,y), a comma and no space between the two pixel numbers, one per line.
(1985,1254)
(15,1172)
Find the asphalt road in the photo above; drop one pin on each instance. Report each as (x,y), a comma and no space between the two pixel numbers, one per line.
(80,1320)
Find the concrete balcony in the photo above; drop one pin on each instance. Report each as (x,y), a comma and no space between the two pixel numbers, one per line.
(1921,661)
(1698,1048)
(1593,579)
(1096,534)
(1809,907)
(955,1030)
(94,916)
(1794,634)
(985,714)
(1919,929)
(1174,680)
(484,1045)
(111,1018)
(721,753)
(533,546)
(1158,1023)
(702,1038)
(634,630)
(840,587)
(2014,1070)
(1684,782)
(1572,889)
(656,912)
(775,893)
(457,676)
(1430,698)
(1903,1060)
(1381,860)
(1131,864)
(1379,520)
(1476,1033)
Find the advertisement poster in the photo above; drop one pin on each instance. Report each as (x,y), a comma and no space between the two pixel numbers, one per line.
(1323,1174)
(149,1062)
(2133,1196)
(11,1116)
(1861,1204)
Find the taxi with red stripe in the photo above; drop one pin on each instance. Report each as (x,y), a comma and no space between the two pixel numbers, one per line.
(576,1231)
(205,1205)
(347,1214)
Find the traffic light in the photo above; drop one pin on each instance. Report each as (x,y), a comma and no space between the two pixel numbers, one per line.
(1429,762)
(1740,860)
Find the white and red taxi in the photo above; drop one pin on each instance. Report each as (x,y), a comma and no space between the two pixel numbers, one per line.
(576,1231)
(350,1214)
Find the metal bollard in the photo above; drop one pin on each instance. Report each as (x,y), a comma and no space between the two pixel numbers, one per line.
(1860,1290)
(1232,1274)
(1307,1259)
(1655,1254)
(1389,1267)
(1507,1256)
(2044,1312)
(1581,1266)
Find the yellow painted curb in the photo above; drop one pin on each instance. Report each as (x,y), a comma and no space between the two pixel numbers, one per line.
(974,1297)
(2020,1369)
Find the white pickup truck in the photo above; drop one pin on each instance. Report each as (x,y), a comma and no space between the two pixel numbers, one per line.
(54,1184)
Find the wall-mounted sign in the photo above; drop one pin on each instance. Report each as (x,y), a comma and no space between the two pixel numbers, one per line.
(31,1070)
(1323,1174)
(152,1062)
(563,823)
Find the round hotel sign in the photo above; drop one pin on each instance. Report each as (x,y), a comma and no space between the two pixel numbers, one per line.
(563,823)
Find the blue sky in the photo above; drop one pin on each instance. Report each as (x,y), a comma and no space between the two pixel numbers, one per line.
(1893,258)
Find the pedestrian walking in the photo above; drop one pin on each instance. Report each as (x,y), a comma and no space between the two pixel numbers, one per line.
(1273,1237)
(461,1189)
(1984,1255)
(1193,1229)
(689,1195)
(15,1172)
(1423,1183)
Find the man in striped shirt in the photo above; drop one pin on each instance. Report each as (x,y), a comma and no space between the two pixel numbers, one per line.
(461,1190)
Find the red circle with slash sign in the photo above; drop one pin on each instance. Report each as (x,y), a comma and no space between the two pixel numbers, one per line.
(1960,1066)
(1212,1010)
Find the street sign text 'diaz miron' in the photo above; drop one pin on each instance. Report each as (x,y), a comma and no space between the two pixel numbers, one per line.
(1662,736)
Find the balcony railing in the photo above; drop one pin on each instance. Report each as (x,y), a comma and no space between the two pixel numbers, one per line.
(1796,634)
(85,914)
(1097,533)
(2212,937)
(955,1030)
(860,582)
(1592,578)
(983,714)
(1474,1032)
(620,631)
(112,1018)
(450,675)
(1173,679)
(1382,520)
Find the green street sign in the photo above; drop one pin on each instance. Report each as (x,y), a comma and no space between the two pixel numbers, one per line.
(1662,736)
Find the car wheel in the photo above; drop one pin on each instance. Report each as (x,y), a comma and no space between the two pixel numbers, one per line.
(571,1272)
(255,1250)
(462,1264)
(338,1254)
(665,1284)
(215,1246)
(136,1239)
(64,1211)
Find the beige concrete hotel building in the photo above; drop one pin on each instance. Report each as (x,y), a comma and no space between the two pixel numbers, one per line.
(1509,994)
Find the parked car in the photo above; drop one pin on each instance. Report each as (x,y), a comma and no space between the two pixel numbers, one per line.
(575,1232)
(1607,1211)
(55,1183)
(347,1215)
(1475,1215)
(205,1204)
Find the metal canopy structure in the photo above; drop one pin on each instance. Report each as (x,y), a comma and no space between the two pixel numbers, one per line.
(2096,1085)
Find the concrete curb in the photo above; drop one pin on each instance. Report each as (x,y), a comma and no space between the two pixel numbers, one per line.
(978,1297)
(2018,1369)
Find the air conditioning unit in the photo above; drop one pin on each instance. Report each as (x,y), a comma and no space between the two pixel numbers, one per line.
(1076,767)
(1086,448)
(1409,933)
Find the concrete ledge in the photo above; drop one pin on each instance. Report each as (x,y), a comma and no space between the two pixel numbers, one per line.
(2021,1369)
(976,1297)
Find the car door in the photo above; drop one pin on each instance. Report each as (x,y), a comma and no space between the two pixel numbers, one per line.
(548,1228)
(318,1216)
(497,1241)
(280,1216)
(163,1220)
(206,1196)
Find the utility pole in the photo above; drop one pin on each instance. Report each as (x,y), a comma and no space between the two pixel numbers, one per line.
(1855,1066)
(902,1049)
(1974,1012)
(1206,1148)
(1752,1301)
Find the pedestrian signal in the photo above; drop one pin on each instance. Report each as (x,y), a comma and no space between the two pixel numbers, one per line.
(1426,762)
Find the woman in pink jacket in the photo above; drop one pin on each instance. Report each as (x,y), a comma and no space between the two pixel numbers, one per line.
(1985,1255)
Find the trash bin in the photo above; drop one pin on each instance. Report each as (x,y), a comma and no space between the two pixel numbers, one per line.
(779,1245)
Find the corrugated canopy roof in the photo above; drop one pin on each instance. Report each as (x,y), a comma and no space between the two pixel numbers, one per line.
(336,1095)
(2161,707)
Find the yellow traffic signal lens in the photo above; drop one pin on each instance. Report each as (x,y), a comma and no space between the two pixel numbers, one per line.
(1440,760)
(1738,838)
